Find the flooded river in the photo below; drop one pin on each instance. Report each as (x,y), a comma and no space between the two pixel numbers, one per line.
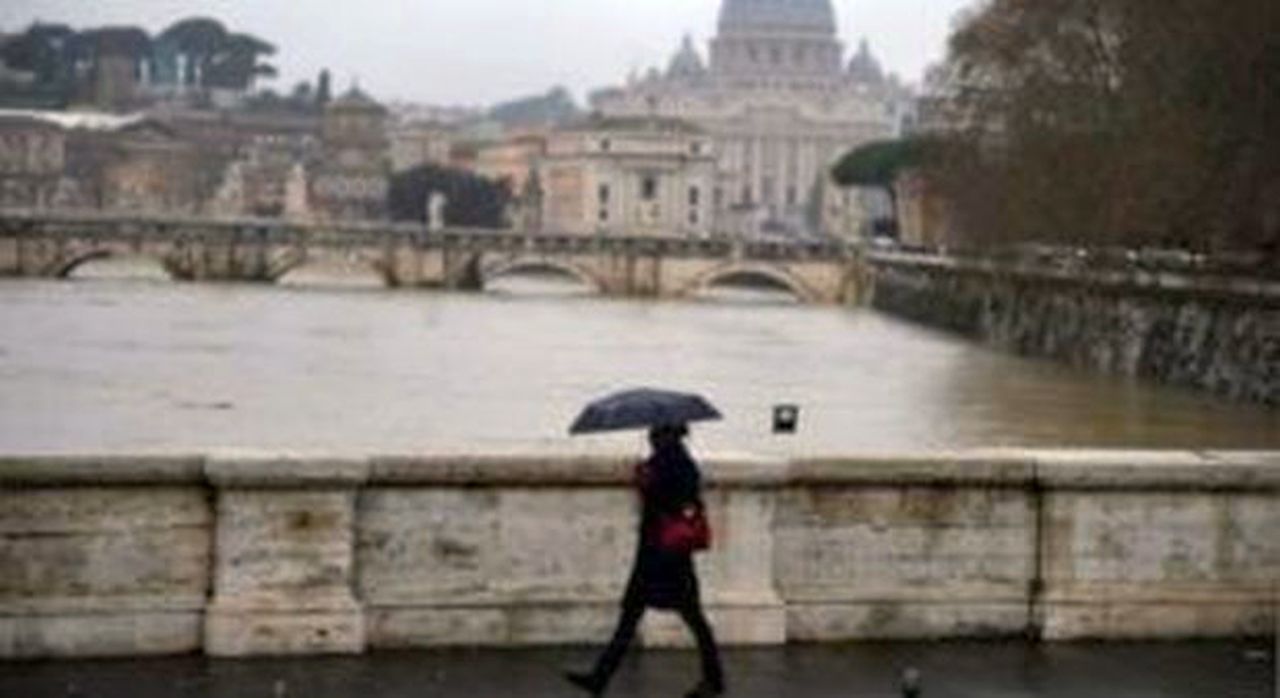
(144,364)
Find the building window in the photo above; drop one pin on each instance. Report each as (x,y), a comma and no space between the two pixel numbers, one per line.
(695,196)
(746,194)
(603,194)
(649,188)
(604,215)
(717,197)
(606,145)
(791,196)
(693,217)
(696,148)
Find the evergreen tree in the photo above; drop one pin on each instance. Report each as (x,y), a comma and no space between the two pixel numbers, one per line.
(471,200)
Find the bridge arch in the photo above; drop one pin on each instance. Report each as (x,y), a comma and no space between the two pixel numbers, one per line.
(492,269)
(293,260)
(65,266)
(772,274)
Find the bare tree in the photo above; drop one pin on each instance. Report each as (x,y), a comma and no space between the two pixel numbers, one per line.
(1116,123)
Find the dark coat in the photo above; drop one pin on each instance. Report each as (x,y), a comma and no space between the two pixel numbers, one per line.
(660,578)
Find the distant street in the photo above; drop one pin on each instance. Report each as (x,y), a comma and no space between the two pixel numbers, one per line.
(960,670)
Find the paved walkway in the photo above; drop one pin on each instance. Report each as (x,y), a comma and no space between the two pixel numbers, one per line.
(950,670)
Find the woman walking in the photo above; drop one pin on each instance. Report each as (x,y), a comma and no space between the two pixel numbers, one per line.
(663,577)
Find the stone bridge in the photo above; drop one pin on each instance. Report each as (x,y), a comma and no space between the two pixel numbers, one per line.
(53,245)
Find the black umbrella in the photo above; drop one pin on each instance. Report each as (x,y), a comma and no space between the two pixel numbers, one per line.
(643,408)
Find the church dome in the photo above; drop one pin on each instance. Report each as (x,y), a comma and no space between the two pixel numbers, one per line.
(864,67)
(766,16)
(686,64)
(355,100)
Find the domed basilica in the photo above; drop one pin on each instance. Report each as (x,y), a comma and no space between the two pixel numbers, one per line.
(780,104)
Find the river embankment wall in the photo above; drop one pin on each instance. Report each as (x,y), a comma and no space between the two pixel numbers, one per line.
(1215,333)
(240,555)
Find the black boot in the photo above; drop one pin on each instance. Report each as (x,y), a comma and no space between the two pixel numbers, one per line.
(585,681)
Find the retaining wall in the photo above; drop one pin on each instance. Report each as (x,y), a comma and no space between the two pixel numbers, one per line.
(238,555)
(1216,333)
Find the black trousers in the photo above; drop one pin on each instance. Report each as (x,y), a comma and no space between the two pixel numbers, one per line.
(690,613)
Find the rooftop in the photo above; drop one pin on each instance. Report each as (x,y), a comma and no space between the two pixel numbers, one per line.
(75,120)
(356,99)
(644,124)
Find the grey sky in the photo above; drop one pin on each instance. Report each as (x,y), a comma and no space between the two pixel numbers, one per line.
(482,51)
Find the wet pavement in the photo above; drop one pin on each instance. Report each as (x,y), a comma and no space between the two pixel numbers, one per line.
(949,670)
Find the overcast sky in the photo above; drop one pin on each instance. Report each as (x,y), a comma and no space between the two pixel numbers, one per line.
(477,52)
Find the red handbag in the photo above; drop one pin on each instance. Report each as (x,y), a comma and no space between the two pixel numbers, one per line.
(684,532)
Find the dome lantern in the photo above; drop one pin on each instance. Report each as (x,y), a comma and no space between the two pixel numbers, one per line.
(769,16)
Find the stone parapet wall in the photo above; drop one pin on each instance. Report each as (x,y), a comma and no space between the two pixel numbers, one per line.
(238,555)
(1216,333)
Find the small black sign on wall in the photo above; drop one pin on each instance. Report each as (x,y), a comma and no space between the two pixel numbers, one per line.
(786,419)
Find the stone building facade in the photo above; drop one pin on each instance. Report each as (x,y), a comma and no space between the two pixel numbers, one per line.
(352,179)
(32,158)
(854,213)
(513,163)
(420,143)
(779,102)
(222,163)
(257,156)
(628,176)
(513,160)
(78,160)
(142,168)
(924,216)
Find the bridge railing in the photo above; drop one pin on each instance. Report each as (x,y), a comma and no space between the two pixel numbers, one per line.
(101,225)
